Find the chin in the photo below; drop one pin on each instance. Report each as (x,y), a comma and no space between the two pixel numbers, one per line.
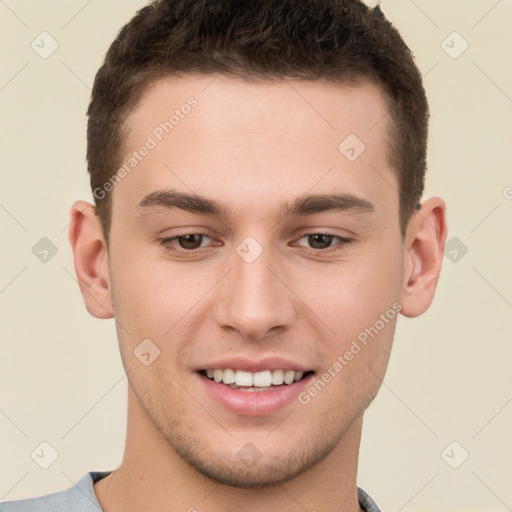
(250,468)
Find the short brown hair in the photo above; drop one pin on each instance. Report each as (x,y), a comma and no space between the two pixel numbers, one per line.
(341,41)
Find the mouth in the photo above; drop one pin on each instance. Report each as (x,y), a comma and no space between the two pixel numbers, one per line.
(266,380)
(261,385)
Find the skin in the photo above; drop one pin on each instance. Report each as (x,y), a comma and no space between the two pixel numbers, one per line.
(252,147)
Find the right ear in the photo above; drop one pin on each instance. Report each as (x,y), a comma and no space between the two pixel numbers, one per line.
(91,259)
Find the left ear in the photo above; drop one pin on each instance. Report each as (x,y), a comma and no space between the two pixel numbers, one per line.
(423,256)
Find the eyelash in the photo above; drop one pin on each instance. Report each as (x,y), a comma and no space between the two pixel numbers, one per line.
(169,247)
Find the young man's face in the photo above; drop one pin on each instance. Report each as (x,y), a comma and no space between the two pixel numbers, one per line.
(256,293)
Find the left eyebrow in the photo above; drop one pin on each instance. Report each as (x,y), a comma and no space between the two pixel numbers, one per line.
(311,204)
(301,206)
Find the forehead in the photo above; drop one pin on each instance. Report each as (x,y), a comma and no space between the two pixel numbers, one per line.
(266,140)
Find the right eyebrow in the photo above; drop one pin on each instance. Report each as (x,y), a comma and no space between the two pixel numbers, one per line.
(189,202)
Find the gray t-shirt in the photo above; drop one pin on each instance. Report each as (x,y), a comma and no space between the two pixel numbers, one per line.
(81,498)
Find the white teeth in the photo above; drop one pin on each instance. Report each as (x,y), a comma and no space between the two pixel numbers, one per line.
(262,380)
(229,377)
(243,378)
(277,377)
(289,376)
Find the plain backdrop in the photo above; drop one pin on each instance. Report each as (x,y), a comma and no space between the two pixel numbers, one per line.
(448,389)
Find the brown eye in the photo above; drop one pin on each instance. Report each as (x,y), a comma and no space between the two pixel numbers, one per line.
(324,242)
(188,244)
(190,241)
(320,241)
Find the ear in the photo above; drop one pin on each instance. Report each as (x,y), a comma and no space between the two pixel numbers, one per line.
(91,259)
(423,256)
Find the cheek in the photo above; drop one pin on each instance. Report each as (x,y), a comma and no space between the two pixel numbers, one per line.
(355,365)
(152,296)
(359,303)
(349,296)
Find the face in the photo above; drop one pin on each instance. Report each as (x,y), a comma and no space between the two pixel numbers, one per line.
(286,264)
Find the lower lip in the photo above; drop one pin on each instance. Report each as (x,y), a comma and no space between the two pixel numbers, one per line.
(254,403)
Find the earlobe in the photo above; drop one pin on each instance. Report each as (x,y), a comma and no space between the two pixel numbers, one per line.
(91,259)
(424,245)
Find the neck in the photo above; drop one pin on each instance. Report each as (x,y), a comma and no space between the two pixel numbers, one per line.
(152,476)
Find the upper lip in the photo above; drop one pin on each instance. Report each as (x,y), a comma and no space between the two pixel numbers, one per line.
(253,365)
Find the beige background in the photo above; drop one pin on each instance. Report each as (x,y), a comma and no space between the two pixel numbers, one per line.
(61,380)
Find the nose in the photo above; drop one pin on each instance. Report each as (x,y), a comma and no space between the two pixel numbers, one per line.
(255,298)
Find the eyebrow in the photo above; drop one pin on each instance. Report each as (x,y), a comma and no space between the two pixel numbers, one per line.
(308,204)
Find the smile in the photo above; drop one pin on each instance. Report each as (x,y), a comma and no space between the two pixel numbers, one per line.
(254,381)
